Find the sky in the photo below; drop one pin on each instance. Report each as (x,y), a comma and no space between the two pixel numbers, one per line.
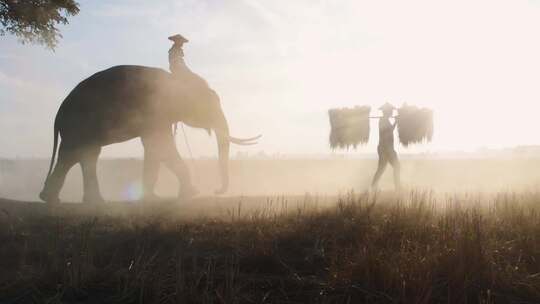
(278,66)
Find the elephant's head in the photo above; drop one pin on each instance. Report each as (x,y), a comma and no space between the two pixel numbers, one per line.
(201,108)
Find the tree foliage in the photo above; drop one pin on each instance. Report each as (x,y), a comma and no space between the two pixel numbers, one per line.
(36,21)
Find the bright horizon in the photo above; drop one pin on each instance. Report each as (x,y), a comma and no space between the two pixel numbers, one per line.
(278,67)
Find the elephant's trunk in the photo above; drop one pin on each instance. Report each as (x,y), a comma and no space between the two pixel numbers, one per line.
(222,137)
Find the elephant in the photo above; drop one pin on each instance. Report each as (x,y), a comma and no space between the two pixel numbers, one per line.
(126,102)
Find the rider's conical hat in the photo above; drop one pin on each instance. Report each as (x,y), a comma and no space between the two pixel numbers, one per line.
(178,38)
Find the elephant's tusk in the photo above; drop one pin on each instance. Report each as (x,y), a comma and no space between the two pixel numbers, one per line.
(242,143)
(237,140)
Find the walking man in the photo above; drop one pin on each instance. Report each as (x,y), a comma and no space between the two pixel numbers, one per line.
(386,151)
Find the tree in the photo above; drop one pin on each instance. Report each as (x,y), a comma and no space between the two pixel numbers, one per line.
(36,21)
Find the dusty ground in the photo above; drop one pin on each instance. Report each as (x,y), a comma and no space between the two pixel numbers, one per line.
(201,207)
(120,179)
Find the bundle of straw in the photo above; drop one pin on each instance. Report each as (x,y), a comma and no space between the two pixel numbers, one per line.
(415,125)
(349,127)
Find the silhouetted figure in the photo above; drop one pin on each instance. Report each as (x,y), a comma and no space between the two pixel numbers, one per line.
(386,151)
(177,65)
(182,73)
(126,102)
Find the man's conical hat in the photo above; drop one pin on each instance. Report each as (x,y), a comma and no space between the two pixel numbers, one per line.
(178,38)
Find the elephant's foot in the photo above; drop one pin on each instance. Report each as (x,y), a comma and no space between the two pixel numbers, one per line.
(48,197)
(93,199)
(187,192)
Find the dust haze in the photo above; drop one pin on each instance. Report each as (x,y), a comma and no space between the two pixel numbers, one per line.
(121,178)
(232,151)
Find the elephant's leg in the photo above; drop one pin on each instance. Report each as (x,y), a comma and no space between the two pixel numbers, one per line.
(67,157)
(160,145)
(176,164)
(150,168)
(89,171)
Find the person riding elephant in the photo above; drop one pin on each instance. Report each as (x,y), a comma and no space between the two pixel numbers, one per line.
(178,67)
(177,64)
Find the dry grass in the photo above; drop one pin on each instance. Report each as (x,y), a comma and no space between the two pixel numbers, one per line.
(414,248)
(349,127)
(415,125)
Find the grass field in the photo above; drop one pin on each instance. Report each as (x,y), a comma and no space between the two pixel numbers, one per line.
(417,247)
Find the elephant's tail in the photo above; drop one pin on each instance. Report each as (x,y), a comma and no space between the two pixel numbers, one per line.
(55,144)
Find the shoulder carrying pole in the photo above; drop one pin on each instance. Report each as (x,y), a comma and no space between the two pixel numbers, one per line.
(382,116)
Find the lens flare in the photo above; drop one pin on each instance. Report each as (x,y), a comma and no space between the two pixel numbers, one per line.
(133,191)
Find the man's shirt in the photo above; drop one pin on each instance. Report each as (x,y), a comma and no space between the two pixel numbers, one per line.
(386,133)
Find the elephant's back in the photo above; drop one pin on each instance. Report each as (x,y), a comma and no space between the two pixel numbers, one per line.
(111,97)
(117,84)
(128,75)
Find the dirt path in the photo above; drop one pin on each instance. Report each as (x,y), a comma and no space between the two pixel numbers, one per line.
(204,206)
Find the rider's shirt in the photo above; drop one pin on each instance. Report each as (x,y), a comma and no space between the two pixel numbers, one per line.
(176,58)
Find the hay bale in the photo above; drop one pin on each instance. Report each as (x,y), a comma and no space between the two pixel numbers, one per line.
(414,124)
(349,126)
